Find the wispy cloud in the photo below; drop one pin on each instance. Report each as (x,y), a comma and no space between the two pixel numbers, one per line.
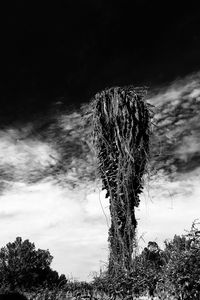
(176,139)
(188,86)
(23,159)
(7,215)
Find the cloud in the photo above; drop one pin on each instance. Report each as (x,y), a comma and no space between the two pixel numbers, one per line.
(175,146)
(73,225)
(59,220)
(34,206)
(58,145)
(169,208)
(187,87)
(5,215)
(23,159)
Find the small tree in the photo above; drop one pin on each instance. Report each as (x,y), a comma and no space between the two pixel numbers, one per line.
(21,265)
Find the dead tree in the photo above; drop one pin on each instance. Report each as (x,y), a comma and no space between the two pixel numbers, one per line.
(121,130)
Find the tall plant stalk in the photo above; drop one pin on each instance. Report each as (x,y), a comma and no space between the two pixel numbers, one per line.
(121,130)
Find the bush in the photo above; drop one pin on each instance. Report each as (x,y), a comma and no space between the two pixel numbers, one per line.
(181,274)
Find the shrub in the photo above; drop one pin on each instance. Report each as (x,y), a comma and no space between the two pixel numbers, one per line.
(181,274)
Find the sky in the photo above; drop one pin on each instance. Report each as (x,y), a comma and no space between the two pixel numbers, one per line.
(54,59)
(72,223)
(73,49)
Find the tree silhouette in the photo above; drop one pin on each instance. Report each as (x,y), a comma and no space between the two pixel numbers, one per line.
(21,265)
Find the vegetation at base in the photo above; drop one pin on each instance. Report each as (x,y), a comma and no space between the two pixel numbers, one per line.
(171,273)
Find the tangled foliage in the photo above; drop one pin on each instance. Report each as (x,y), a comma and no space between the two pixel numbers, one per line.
(68,290)
(172,273)
(145,274)
(181,273)
(121,130)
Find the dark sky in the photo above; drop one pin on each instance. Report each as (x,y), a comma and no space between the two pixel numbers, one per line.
(73,49)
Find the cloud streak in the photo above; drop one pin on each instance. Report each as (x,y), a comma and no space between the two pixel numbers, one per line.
(23,159)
